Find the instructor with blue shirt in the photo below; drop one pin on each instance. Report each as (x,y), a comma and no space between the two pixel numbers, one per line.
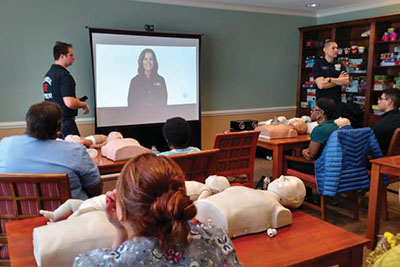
(59,87)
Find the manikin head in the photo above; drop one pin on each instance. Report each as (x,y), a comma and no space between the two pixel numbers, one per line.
(73,139)
(290,189)
(63,54)
(389,100)
(114,136)
(217,183)
(330,50)
(342,122)
(306,119)
(299,125)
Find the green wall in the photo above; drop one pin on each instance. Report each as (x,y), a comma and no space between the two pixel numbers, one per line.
(249,59)
(374,12)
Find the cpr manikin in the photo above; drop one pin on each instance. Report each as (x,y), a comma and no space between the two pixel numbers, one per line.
(241,210)
(214,184)
(280,127)
(91,141)
(290,189)
(113,146)
(77,207)
(342,122)
(118,148)
(57,244)
(195,190)
(299,125)
(276,131)
(275,120)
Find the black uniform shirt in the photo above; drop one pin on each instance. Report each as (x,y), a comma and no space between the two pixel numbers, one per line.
(323,68)
(146,94)
(59,83)
(385,128)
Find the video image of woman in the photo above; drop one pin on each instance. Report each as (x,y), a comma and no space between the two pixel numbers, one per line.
(147,90)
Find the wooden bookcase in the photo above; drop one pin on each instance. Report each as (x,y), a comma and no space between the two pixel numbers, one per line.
(362,67)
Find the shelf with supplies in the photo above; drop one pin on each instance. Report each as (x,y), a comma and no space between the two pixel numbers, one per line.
(370,50)
(386,67)
(361,73)
(354,93)
(312,48)
(387,42)
(353,39)
(355,55)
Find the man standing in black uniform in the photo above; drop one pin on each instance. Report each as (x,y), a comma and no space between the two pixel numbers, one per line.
(329,75)
(59,87)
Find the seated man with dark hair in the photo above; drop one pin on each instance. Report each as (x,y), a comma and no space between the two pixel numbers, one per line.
(39,152)
(388,102)
(176,132)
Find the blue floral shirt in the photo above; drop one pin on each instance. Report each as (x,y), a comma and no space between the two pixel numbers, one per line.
(209,246)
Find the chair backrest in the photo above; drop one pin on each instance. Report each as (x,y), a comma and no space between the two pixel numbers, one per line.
(237,154)
(197,166)
(394,146)
(342,165)
(23,195)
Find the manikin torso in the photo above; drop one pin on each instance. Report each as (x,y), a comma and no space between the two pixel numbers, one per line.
(275,131)
(238,210)
(241,210)
(122,149)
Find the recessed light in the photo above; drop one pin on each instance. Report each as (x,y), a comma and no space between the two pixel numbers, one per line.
(313,5)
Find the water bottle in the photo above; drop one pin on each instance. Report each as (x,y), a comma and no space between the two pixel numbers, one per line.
(154,150)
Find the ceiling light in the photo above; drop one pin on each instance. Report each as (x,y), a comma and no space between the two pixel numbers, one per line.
(312,5)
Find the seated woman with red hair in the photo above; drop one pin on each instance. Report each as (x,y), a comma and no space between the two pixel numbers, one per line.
(150,211)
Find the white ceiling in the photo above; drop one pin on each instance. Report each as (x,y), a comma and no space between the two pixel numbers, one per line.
(290,7)
(293,4)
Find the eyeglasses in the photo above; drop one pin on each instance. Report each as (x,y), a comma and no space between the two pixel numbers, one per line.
(382,98)
(316,109)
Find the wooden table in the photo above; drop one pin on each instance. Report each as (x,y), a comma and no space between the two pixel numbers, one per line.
(278,146)
(107,166)
(309,241)
(387,165)
(20,240)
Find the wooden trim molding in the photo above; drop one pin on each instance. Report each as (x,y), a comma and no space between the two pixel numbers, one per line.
(22,124)
(246,111)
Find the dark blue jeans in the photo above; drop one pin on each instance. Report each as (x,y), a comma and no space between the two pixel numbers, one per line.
(69,127)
